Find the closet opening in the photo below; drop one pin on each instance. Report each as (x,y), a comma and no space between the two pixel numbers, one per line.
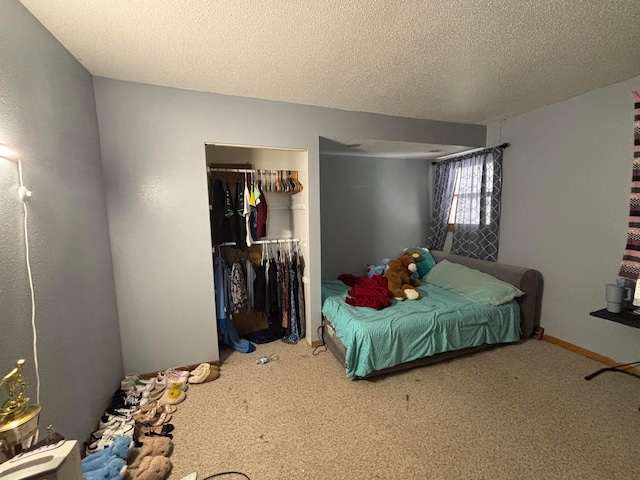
(259,235)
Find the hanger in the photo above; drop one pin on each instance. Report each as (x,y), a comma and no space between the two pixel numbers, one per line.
(295,179)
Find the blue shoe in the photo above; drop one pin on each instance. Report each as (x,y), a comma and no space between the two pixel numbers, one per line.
(115,469)
(120,448)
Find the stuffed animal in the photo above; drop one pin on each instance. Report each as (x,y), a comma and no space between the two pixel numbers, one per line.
(377,269)
(401,284)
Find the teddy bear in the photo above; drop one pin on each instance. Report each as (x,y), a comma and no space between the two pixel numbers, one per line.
(400,281)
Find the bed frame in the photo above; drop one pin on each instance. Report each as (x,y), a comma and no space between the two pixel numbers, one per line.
(526,279)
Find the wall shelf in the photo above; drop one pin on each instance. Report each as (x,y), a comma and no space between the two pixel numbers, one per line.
(626,317)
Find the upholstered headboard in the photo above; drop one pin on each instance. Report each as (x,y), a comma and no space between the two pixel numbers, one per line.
(526,279)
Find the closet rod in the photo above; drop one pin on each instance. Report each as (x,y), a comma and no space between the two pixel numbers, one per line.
(261,242)
(246,170)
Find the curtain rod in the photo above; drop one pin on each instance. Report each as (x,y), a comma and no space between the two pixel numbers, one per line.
(504,145)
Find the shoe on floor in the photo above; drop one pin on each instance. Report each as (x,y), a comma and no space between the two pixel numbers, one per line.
(198,370)
(120,448)
(200,374)
(151,447)
(213,374)
(151,468)
(114,469)
(172,396)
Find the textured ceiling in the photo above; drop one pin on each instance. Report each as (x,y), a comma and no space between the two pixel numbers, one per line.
(471,61)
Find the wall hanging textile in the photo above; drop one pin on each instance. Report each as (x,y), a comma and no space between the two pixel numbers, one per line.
(630,267)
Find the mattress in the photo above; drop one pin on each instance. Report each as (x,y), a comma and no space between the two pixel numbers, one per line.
(440,321)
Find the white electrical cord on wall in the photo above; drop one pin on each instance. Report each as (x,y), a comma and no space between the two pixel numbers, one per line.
(24,194)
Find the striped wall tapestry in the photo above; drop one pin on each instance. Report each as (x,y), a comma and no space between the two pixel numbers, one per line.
(630,267)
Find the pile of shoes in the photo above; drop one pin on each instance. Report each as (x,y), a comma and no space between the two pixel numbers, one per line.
(133,438)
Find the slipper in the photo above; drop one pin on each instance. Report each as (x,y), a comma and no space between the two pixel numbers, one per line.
(172,396)
(151,468)
(213,374)
(159,408)
(198,370)
(200,374)
(155,417)
(114,469)
(151,447)
(120,448)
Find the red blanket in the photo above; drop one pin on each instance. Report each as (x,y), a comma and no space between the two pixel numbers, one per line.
(367,292)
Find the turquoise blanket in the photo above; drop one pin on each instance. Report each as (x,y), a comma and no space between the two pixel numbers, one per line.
(406,330)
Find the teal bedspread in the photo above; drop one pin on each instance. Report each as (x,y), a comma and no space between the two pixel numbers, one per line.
(406,330)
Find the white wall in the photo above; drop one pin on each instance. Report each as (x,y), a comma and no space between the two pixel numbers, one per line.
(152,141)
(565,205)
(47,114)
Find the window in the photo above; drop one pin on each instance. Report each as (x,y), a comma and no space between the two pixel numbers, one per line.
(473,194)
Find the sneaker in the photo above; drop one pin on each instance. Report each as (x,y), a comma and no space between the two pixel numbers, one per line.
(111,422)
(121,412)
(124,428)
(129,381)
(108,437)
(132,398)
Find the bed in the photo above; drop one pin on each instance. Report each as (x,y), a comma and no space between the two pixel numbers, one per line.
(441,325)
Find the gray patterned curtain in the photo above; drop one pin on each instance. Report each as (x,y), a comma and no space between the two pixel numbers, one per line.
(477,223)
(444,184)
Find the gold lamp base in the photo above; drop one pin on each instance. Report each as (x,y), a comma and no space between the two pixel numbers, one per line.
(18,431)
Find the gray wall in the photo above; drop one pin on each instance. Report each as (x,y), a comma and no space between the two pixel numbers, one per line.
(152,141)
(567,178)
(372,208)
(47,114)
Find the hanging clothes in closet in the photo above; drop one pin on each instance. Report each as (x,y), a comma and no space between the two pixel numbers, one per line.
(279,281)
(237,214)
(272,288)
(227,331)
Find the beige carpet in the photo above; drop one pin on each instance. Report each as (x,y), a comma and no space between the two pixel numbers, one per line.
(516,412)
